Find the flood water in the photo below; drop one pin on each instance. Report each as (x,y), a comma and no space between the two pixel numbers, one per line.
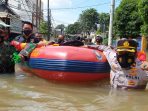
(36,94)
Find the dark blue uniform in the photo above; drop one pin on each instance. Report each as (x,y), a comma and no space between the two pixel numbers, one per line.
(22,39)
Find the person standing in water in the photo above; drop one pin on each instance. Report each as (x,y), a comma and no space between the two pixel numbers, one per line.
(27,37)
(127,71)
(6,51)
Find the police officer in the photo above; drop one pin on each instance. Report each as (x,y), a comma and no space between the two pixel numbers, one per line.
(27,37)
(27,34)
(127,71)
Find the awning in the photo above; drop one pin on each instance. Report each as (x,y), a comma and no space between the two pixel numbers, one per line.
(2,24)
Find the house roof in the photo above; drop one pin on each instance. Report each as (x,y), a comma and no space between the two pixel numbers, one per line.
(2,24)
(6,9)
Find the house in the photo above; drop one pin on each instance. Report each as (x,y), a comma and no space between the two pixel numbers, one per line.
(8,16)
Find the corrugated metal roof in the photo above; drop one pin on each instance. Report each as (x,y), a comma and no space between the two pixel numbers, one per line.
(4,14)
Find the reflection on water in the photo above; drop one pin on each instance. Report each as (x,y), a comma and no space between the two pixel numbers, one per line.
(35,94)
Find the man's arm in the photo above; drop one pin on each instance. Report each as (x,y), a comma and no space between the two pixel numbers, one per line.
(99,47)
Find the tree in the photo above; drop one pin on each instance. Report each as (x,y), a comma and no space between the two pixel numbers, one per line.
(61,26)
(127,20)
(143,11)
(88,20)
(74,28)
(103,21)
(43,27)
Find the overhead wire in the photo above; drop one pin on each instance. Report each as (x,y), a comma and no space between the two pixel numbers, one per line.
(45,10)
(96,5)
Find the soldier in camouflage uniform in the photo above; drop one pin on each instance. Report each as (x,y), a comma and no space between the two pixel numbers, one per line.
(6,52)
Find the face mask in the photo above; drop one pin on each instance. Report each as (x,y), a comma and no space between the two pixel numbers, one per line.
(37,40)
(27,32)
(126,60)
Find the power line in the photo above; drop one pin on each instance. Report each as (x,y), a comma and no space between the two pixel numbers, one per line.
(45,10)
(96,5)
(62,22)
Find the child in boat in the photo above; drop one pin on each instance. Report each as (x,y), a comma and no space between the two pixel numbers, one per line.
(127,71)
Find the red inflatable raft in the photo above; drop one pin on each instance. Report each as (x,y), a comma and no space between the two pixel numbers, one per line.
(68,64)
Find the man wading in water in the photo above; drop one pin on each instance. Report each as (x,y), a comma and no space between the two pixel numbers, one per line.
(127,71)
(6,51)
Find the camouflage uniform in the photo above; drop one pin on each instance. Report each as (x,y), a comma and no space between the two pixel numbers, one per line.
(6,63)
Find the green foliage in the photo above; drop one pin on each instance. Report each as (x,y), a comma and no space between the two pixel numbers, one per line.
(88,20)
(98,32)
(127,20)
(105,41)
(144,30)
(61,26)
(74,28)
(103,21)
(143,11)
(44,27)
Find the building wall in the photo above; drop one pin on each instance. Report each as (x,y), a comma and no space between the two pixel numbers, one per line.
(22,9)
(8,16)
(28,10)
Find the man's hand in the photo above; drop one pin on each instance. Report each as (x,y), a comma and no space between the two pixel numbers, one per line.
(144,65)
(85,46)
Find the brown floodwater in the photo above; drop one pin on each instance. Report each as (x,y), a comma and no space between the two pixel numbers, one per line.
(30,93)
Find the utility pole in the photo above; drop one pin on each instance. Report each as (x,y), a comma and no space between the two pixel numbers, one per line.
(110,34)
(37,14)
(48,35)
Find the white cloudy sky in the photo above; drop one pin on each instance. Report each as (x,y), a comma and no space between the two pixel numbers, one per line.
(68,16)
